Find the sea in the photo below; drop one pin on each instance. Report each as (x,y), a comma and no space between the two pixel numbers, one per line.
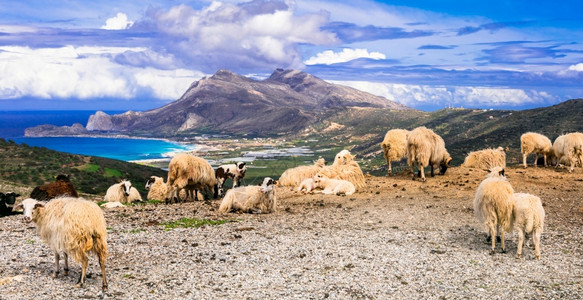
(13,124)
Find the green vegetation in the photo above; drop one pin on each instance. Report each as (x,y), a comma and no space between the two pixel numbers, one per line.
(192,223)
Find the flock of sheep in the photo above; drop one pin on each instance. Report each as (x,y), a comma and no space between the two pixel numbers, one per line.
(74,227)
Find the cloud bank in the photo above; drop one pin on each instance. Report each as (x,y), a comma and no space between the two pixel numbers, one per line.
(329,57)
(119,22)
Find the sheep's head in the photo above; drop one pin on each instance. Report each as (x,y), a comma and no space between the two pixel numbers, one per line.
(63,177)
(320,162)
(150,182)
(268,185)
(343,157)
(10,197)
(241,167)
(29,209)
(126,187)
(444,165)
(319,178)
(495,172)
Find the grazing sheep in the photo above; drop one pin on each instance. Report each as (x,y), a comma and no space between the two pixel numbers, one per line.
(235,171)
(119,192)
(569,148)
(157,188)
(295,176)
(345,168)
(425,147)
(536,143)
(529,217)
(72,226)
(189,172)
(493,205)
(251,199)
(334,186)
(61,187)
(307,186)
(395,146)
(8,198)
(486,159)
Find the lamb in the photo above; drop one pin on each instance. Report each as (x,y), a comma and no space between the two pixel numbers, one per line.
(529,217)
(61,187)
(251,199)
(295,176)
(189,172)
(493,205)
(532,142)
(425,147)
(486,159)
(307,186)
(395,146)
(72,226)
(569,147)
(345,168)
(235,171)
(8,198)
(120,192)
(334,186)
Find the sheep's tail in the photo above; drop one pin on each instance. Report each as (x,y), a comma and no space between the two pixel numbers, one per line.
(227,204)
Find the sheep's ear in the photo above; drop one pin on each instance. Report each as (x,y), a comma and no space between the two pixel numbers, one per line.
(38,204)
(118,180)
(506,149)
(353,156)
(501,173)
(275,182)
(18,207)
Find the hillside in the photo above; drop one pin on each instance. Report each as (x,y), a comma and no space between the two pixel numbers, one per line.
(31,166)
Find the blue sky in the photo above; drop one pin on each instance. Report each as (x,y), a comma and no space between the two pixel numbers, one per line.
(140,54)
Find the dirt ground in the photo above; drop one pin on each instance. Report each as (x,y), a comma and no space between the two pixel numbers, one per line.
(398,238)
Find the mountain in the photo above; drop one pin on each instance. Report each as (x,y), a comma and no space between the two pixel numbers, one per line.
(287,101)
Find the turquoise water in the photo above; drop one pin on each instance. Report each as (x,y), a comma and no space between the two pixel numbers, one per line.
(122,149)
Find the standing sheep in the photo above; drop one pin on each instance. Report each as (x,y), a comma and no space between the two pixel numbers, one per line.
(189,172)
(569,147)
(345,168)
(334,186)
(120,192)
(425,147)
(493,205)
(529,217)
(61,187)
(235,171)
(72,226)
(295,176)
(536,143)
(486,159)
(395,146)
(251,199)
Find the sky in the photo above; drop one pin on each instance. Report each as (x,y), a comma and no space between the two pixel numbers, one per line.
(426,54)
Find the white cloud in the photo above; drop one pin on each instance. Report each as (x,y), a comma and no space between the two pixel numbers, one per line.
(329,57)
(119,22)
(85,73)
(578,67)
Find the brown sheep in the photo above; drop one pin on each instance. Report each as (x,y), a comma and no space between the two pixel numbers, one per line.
(62,187)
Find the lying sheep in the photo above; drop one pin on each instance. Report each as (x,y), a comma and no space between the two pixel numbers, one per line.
(119,192)
(486,159)
(345,168)
(134,195)
(72,226)
(529,217)
(61,187)
(223,172)
(157,188)
(294,176)
(425,147)
(532,142)
(189,172)
(493,205)
(307,186)
(569,148)
(8,198)
(251,199)
(395,146)
(342,158)
(334,186)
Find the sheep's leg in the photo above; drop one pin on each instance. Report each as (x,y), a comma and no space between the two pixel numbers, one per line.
(545,159)
(524,159)
(492,232)
(84,263)
(422,170)
(536,240)
(520,243)
(390,170)
(432,174)
(102,258)
(536,160)
(66,270)
(56,268)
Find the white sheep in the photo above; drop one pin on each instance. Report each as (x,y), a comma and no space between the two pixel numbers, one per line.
(134,195)
(223,172)
(345,168)
(120,192)
(334,186)
(157,188)
(529,217)
(425,147)
(532,142)
(493,205)
(569,148)
(307,186)
(395,146)
(72,226)
(294,176)
(189,172)
(251,199)
(486,159)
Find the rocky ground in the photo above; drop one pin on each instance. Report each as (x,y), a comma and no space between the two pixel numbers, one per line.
(398,239)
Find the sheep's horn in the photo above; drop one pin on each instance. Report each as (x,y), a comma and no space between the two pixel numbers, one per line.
(447,162)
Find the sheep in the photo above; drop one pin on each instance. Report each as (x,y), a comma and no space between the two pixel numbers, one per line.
(119,192)
(307,186)
(425,147)
(493,205)
(529,217)
(395,146)
(295,176)
(486,159)
(251,199)
(532,142)
(72,226)
(569,147)
(342,158)
(8,198)
(157,188)
(188,172)
(235,171)
(350,172)
(134,195)
(334,186)
(61,187)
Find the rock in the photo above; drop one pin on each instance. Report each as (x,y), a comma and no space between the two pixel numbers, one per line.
(52,130)
(100,121)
